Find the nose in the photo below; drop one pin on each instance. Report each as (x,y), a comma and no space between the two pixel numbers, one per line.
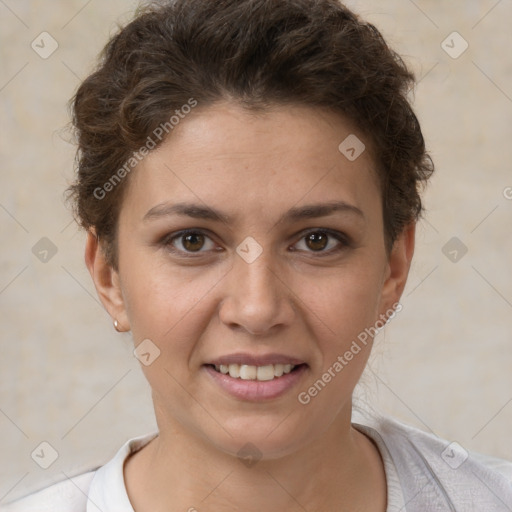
(257,298)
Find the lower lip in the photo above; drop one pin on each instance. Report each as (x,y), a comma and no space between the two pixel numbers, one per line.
(256,390)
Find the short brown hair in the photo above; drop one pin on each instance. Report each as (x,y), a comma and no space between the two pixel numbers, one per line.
(259,53)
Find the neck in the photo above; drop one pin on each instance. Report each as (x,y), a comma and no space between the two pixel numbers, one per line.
(340,470)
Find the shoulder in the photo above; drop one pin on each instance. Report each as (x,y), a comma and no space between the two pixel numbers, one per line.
(101,488)
(431,447)
(436,471)
(500,465)
(69,495)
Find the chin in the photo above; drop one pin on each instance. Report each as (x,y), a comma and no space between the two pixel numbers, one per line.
(263,438)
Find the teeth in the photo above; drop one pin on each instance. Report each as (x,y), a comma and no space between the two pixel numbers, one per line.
(234,370)
(249,372)
(265,372)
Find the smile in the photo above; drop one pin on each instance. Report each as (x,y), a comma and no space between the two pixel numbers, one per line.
(250,372)
(256,383)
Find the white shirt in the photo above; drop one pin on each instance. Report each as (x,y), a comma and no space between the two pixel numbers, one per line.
(423,472)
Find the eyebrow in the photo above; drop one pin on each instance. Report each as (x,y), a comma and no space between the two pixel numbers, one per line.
(198,211)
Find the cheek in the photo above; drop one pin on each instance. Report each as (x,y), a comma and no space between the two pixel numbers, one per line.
(164,304)
(344,307)
(344,302)
(173,310)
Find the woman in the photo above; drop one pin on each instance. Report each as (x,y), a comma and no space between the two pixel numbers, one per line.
(249,175)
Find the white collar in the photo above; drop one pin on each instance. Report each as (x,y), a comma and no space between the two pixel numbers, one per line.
(107,492)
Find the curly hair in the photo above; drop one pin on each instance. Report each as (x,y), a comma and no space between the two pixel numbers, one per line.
(257,52)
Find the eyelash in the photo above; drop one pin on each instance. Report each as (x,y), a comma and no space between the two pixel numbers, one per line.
(340,237)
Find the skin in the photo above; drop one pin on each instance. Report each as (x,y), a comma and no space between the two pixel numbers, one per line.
(291,300)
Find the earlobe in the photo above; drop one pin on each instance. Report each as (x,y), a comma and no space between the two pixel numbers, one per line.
(398,267)
(106,281)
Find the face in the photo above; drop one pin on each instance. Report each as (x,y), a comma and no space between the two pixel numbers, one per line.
(283,262)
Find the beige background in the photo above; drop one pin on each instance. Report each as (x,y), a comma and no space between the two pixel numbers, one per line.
(444,364)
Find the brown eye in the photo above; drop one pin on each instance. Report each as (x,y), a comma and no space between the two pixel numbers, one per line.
(189,243)
(323,242)
(193,242)
(317,241)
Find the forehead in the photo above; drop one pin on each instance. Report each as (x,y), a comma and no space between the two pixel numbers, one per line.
(230,157)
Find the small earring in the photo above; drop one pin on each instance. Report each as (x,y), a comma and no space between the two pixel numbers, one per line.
(116,326)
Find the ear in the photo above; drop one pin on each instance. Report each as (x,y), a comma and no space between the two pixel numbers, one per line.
(398,267)
(106,280)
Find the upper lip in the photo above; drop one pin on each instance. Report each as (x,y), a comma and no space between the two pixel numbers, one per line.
(255,360)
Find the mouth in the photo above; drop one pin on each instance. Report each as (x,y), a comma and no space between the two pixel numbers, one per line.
(256,373)
(256,377)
